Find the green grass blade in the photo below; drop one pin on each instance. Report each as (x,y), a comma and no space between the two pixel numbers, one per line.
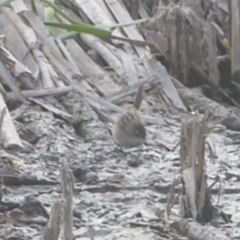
(82,28)
(135,22)
(5,2)
(59,11)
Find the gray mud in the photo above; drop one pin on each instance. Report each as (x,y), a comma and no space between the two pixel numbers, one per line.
(117,194)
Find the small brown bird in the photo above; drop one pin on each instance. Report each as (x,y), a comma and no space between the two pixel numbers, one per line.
(129,130)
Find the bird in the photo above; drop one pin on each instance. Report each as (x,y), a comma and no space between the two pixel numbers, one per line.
(129,130)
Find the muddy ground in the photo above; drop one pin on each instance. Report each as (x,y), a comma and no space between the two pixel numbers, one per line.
(117,194)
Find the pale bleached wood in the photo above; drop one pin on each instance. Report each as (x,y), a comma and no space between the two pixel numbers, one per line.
(50,49)
(132,7)
(201,103)
(15,42)
(64,115)
(19,6)
(67,183)
(68,56)
(95,100)
(105,51)
(8,79)
(97,76)
(98,17)
(235,40)
(166,89)
(30,39)
(122,15)
(117,97)
(101,104)
(190,189)
(211,40)
(170,95)
(40,93)
(10,137)
(194,230)
(3,113)
(196,202)
(196,5)
(53,228)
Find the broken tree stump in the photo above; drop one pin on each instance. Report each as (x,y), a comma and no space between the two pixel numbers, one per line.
(53,228)
(67,183)
(194,230)
(194,201)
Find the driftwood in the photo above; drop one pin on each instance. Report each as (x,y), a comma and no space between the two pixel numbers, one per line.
(98,104)
(40,93)
(201,103)
(4,110)
(131,63)
(9,135)
(117,97)
(21,63)
(66,116)
(9,61)
(53,227)
(67,180)
(194,230)
(195,201)
(235,39)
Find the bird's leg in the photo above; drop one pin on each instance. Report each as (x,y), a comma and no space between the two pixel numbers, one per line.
(119,149)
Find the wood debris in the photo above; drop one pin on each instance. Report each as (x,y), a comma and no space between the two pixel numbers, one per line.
(186,56)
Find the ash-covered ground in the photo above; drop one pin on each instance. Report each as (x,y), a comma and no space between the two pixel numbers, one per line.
(118,194)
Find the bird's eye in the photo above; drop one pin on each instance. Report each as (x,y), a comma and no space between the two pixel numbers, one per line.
(137,134)
(140,134)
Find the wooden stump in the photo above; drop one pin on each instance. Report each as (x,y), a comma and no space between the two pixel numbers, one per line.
(195,201)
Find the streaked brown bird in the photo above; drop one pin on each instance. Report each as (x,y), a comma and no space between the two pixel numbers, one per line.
(129,130)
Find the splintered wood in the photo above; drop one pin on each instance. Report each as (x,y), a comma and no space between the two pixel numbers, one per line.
(198,232)
(62,213)
(195,202)
(53,227)
(67,181)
